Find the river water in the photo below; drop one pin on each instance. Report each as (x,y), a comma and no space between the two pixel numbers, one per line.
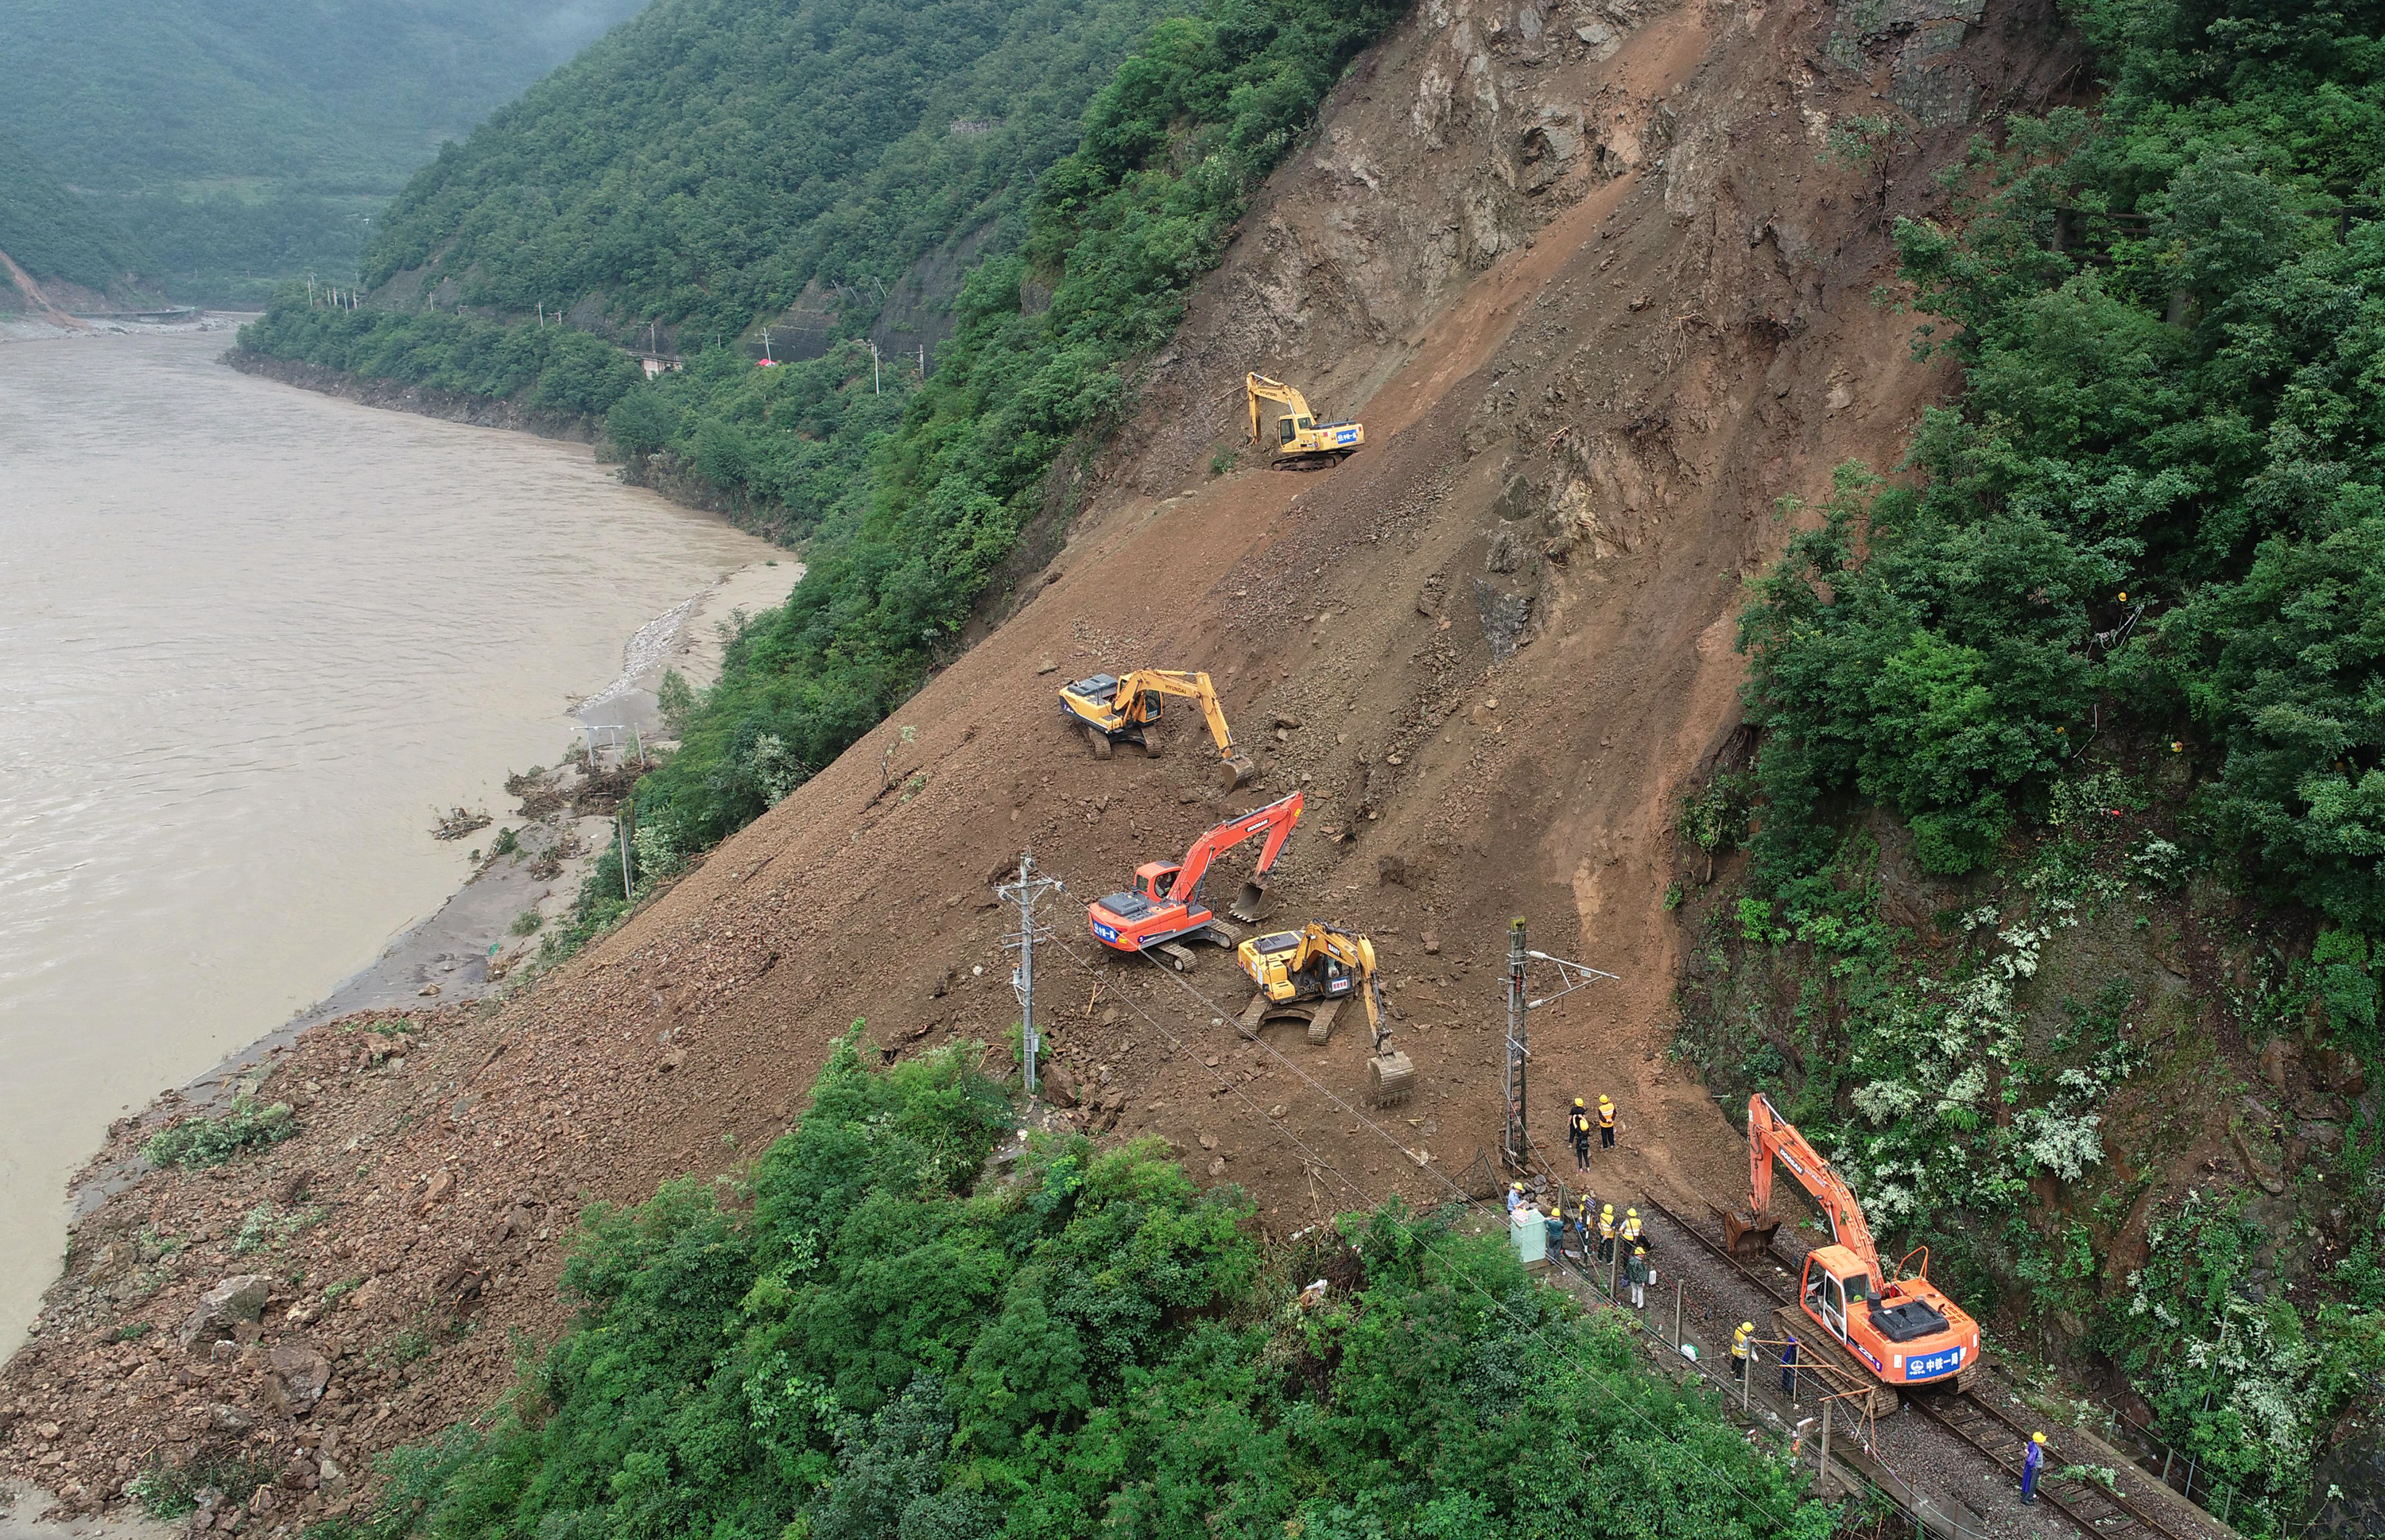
(251,638)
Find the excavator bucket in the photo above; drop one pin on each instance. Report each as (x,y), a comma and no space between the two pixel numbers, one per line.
(1390,1077)
(1743,1236)
(1254,902)
(1235,770)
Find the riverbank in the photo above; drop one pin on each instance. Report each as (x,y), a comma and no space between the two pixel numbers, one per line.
(221,762)
(530,861)
(400,1040)
(17,327)
(478,411)
(188,729)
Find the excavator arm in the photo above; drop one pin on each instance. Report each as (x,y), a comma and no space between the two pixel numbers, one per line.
(1275,819)
(1770,1136)
(1127,702)
(1260,388)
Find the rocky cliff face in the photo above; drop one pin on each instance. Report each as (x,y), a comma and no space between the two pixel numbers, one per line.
(1599,280)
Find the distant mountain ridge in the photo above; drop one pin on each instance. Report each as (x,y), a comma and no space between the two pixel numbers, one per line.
(252,143)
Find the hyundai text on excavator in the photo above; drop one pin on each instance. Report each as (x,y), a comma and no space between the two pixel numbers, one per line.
(1304,975)
(1165,902)
(1900,1333)
(1114,711)
(1302,442)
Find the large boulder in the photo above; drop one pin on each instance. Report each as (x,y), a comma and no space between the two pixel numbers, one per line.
(237,1301)
(299,1378)
(240,1298)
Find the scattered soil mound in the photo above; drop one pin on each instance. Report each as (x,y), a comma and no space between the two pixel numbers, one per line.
(1602,303)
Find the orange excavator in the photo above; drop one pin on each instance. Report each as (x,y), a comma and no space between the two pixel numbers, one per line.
(1903,1333)
(1165,903)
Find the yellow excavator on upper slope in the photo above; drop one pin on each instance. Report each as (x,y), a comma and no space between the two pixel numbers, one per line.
(1304,975)
(1302,442)
(1114,711)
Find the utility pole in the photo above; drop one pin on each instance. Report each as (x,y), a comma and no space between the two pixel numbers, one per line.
(1025,892)
(1516,1145)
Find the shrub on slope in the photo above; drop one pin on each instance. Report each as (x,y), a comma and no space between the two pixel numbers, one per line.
(2163,490)
(878,1336)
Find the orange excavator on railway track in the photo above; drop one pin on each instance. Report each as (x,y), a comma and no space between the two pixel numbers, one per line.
(1905,1333)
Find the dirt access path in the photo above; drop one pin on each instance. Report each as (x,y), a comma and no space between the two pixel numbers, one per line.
(1601,303)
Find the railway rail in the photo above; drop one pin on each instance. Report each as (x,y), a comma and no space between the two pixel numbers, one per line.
(2100,1512)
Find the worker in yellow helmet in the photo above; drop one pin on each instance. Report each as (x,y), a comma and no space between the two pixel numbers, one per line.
(1606,1232)
(1631,1227)
(1635,1272)
(1578,1130)
(1605,1123)
(2029,1467)
(1739,1348)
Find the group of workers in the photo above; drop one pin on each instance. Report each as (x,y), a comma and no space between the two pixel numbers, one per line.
(1599,1236)
(1578,1123)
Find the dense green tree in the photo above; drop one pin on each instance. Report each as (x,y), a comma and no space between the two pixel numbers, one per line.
(2180,402)
(878,1335)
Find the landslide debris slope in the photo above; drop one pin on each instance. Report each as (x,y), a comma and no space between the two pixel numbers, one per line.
(1602,293)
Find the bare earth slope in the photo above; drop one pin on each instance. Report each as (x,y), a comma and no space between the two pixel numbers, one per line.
(1600,302)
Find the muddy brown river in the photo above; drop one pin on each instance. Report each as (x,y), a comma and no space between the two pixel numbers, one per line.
(251,638)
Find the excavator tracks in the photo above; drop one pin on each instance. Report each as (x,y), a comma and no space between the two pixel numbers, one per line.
(1974,1421)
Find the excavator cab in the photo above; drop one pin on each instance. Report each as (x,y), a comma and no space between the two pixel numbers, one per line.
(1289,428)
(1273,963)
(1151,878)
(1904,1337)
(1836,1288)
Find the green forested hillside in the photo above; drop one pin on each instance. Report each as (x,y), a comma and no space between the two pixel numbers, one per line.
(880,1335)
(2111,640)
(704,163)
(909,500)
(247,142)
(52,233)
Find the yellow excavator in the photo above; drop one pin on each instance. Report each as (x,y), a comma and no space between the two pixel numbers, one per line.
(1116,710)
(1302,442)
(1304,975)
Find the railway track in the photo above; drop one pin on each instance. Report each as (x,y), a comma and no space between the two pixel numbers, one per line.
(2101,1512)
